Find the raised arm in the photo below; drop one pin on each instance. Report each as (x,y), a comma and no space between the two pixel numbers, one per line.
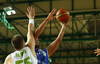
(54,45)
(43,24)
(30,38)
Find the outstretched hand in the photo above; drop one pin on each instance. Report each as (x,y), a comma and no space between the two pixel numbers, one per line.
(50,16)
(31,12)
(64,24)
(97,51)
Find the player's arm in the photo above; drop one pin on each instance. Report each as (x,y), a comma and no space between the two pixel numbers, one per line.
(97,51)
(30,38)
(39,30)
(54,45)
(8,59)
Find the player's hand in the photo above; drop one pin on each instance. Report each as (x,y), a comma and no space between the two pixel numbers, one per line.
(31,12)
(64,24)
(50,16)
(97,51)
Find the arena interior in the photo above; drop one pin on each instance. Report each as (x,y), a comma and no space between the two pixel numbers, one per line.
(82,34)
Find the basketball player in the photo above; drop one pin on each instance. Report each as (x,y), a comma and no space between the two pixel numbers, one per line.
(25,53)
(43,54)
(97,51)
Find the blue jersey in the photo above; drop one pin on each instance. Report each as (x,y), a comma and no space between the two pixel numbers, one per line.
(42,56)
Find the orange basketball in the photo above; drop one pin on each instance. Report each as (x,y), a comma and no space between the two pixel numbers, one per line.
(63,15)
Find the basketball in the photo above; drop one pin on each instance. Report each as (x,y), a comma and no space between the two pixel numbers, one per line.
(63,15)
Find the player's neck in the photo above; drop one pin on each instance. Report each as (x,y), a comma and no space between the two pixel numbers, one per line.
(19,49)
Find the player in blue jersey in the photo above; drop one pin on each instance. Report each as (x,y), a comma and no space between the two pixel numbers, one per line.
(43,54)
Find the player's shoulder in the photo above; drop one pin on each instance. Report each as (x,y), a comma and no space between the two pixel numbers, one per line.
(9,56)
(8,59)
(40,50)
(26,47)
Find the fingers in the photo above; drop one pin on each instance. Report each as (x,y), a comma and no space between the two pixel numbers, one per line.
(50,16)
(98,54)
(97,51)
(27,14)
(53,11)
(28,9)
(33,10)
(54,16)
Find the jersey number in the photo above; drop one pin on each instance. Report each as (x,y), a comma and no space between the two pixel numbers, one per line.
(25,61)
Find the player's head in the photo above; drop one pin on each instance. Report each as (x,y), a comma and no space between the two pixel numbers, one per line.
(18,42)
(37,43)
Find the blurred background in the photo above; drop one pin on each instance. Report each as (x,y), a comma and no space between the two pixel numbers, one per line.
(82,33)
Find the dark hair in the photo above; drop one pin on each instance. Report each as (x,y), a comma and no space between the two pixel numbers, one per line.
(17,41)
